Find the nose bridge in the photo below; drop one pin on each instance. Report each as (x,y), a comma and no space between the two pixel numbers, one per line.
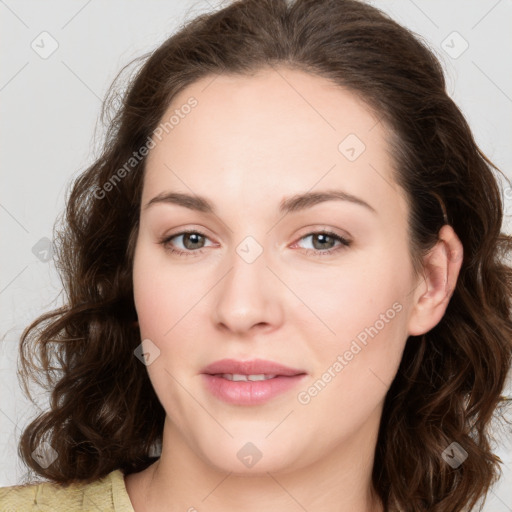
(248,295)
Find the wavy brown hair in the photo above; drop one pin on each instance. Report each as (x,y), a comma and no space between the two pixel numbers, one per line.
(104,414)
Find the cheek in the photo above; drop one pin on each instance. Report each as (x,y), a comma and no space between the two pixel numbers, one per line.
(339,303)
(166,300)
(354,372)
(162,295)
(362,314)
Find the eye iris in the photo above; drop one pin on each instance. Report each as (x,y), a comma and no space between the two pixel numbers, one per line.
(323,237)
(187,236)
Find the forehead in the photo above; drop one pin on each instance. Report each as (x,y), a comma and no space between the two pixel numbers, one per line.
(279,130)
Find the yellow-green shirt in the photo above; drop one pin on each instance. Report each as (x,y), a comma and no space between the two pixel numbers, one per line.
(107,494)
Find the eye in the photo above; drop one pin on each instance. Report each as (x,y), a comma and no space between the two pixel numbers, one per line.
(191,241)
(326,240)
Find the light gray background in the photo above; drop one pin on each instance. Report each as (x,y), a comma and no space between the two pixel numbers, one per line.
(50,107)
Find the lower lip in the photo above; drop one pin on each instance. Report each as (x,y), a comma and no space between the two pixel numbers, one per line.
(250,392)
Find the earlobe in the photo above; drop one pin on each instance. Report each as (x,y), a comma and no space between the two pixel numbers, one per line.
(441,270)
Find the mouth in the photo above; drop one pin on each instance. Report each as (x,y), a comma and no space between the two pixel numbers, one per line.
(249,382)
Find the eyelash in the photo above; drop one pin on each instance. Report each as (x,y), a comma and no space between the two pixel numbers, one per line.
(315,252)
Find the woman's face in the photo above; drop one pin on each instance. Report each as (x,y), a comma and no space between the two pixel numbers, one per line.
(257,279)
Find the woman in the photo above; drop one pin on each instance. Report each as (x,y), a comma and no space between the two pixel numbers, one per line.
(339,337)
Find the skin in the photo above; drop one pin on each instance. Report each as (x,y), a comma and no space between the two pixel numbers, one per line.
(250,143)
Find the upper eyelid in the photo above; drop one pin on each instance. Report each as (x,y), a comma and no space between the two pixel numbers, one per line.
(181,233)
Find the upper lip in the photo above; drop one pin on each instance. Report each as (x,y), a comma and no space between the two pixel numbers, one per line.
(253,367)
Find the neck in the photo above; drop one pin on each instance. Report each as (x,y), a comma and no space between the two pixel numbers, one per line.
(181,480)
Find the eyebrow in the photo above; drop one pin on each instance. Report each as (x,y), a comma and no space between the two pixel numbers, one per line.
(288,205)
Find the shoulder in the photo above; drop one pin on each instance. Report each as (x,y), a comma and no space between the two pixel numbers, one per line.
(107,494)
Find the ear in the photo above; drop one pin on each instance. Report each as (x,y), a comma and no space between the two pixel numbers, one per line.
(435,288)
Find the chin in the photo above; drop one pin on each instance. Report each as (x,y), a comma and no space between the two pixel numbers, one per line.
(248,455)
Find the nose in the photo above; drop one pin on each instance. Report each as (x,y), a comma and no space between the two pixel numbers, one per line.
(249,297)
